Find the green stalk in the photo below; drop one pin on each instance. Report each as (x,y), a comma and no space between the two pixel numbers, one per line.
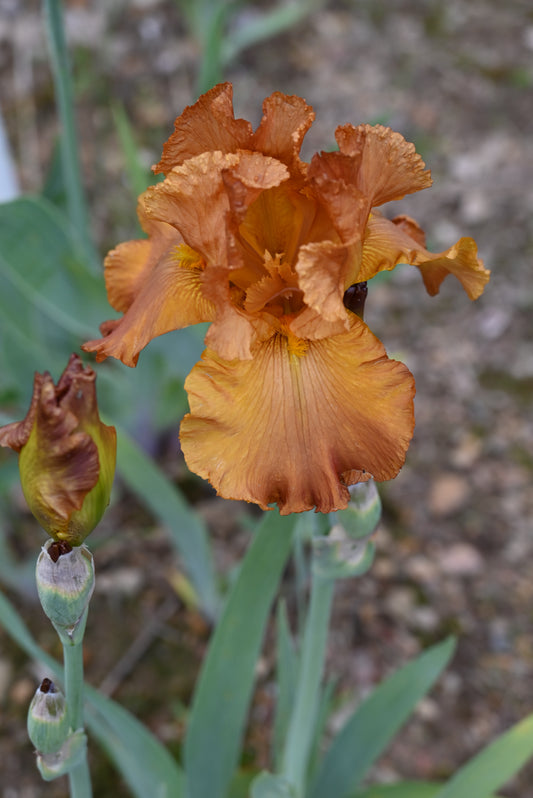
(70,163)
(79,781)
(79,776)
(302,724)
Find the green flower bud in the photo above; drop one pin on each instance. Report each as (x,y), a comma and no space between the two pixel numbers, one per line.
(347,550)
(48,725)
(67,456)
(361,517)
(338,556)
(65,582)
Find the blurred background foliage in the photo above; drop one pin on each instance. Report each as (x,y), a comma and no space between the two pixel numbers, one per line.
(455,78)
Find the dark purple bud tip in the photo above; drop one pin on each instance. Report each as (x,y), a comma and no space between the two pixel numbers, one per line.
(354,298)
(47,686)
(57,548)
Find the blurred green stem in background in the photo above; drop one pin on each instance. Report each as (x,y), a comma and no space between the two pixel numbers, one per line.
(70,162)
(208,22)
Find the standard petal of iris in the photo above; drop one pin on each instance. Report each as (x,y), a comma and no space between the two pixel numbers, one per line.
(286,120)
(194,197)
(334,178)
(171,299)
(389,167)
(207,125)
(401,240)
(295,425)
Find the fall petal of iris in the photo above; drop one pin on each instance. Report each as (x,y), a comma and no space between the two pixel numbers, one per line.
(297,428)
(129,265)
(209,124)
(389,166)
(401,240)
(171,299)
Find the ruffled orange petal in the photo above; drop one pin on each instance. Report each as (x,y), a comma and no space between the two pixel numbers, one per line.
(286,120)
(252,174)
(389,167)
(129,265)
(310,324)
(334,178)
(172,297)
(401,240)
(193,199)
(298,423)
(209,124)
(325,269)
(231,335)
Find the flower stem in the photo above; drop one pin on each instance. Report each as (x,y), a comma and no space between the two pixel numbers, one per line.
(71,171)
(73,659)
(79,780)
(79,776)
(302,724)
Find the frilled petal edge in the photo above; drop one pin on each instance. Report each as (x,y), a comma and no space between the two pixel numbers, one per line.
(401,240)
(170,299)
(296,426)
(388,166)
(209,124)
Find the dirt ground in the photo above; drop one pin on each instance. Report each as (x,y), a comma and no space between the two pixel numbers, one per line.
(455,546)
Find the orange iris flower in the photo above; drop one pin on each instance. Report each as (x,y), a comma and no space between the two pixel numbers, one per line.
(294,398)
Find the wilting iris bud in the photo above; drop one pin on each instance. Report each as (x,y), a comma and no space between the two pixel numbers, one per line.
(67,456)
(48,725)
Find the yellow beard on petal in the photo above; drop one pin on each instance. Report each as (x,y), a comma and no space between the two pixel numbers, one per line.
(187,258)
(295,346)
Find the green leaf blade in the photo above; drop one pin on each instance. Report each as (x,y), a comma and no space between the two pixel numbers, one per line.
(224,689)
(404,789)
(375,722)
(494,765)
(145,764)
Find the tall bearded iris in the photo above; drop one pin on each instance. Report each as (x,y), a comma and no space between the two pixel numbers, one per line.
(294,398)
